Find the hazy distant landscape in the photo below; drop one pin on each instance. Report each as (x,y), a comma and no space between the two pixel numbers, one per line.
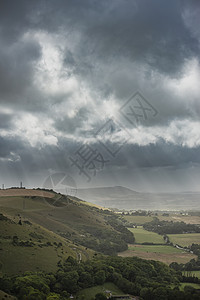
(123,198)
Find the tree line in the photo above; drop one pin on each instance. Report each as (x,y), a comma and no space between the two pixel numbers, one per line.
(170,227)
(135,276)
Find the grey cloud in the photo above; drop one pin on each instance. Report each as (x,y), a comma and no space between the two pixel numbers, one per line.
(113,48)
(71,125)
(6,121)
(10,144)
(152,33)
(16,70)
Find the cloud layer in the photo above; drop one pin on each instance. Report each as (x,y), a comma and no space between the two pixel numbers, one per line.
(67,67)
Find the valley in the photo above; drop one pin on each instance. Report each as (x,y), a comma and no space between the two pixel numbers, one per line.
(45,233)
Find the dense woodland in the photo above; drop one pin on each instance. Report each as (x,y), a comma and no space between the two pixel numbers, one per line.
(108,240)
(166,227)
(148,279)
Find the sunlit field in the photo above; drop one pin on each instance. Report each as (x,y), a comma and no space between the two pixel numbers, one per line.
(144,236)
(185,239)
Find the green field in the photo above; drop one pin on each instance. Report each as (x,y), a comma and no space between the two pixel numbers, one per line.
(142,236)
(141,220)
(138,220)
(155,249)
(163,253)
(191,273)
(90,293)
(185,239)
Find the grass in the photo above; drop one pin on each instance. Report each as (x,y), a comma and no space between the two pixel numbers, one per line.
(16,259)
(185,239)
(142,236)
(22,202)
(26,192)
(191,273)
(180,218)
(92,204)
(90,293)
(138,220)
(141,220)
(163,253)
(70,218)
(155,249)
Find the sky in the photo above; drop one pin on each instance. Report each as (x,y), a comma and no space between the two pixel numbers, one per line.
(102,93)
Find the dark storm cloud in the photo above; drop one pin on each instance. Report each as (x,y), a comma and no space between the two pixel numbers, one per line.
(15,18)
(16,69)
(159,155)
(5,121)
(10,144)
(152,33)
(112,48)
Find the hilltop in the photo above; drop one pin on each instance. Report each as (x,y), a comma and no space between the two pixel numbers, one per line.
(53,227)
(26,192)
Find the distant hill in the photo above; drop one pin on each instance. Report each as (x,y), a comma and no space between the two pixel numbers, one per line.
(124,198)
(106,192)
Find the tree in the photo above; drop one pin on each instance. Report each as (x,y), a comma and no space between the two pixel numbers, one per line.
(146,293)
(160,294)
(53,296)
(85,279)
(100,296)
(100,277)
(69,281)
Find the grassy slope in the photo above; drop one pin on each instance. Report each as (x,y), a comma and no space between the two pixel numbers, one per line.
(185,239)
(17,259)
(142,236)
(67,219)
